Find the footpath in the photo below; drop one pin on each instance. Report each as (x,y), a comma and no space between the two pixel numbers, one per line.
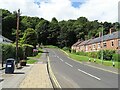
(38,76)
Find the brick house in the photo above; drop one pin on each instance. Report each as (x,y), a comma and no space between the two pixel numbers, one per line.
(74,46)
(110,41)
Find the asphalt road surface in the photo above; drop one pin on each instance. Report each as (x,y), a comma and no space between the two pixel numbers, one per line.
(71,74)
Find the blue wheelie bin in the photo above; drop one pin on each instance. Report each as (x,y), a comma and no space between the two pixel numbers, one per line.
(10,65)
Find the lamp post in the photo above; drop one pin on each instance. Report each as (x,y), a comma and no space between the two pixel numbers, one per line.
(102,45)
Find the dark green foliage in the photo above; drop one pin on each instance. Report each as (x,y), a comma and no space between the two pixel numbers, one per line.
(29,51)
(66,48)
(54,32)
(107,54)
(9,51)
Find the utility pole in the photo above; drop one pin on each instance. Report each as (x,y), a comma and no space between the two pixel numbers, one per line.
(17,36)
(102,46)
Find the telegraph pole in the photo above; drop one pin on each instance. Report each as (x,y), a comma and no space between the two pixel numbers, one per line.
(17,36)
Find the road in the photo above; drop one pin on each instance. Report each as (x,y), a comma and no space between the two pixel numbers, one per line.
(71,74)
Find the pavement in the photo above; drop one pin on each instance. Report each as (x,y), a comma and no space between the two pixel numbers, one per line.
(30,76)
(72,74)
(14,80)
(37,77)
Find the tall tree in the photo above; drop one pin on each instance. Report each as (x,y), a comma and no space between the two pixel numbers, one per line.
(42,30)
(30,37)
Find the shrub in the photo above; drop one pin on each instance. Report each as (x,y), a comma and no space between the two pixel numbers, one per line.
(107,54)
(27,50)
(66,48)
(8,51)
(116,57)
(81,53)
(92,54)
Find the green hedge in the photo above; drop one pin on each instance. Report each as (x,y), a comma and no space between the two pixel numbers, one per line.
(9,51)
(116,57)
(107,54)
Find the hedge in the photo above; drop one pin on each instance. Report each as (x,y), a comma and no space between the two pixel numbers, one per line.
(9,51)
(116,57)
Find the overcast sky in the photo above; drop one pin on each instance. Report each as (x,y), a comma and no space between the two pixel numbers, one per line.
(101,10)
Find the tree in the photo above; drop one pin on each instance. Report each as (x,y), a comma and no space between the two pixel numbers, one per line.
(42,31)
(9,23)
(30,37)
(54,30)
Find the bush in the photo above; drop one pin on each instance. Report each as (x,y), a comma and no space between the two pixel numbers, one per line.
(116,57)
(107,54)
(27,50)
(81,53)
(8,51)
(66,48)
(92,54)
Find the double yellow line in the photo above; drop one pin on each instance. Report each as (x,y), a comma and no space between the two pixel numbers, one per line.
(52,75)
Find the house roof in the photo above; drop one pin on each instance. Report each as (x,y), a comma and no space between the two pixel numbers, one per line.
(4,40)
(77,43)
(84,42)
(113,35)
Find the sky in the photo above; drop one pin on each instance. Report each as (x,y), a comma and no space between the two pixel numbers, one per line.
(101,10)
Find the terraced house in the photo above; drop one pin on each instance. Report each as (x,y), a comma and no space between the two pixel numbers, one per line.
(110,41)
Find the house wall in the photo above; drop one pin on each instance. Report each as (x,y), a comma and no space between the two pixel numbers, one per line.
(99,46)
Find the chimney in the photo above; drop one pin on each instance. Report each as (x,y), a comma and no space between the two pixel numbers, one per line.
(111,30)
(100,34)
(79,40)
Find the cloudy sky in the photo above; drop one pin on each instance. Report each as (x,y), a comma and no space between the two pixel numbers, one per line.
(102,10)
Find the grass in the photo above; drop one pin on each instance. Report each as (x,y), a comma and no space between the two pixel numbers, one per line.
(86,59)
(50,46)
(31,61)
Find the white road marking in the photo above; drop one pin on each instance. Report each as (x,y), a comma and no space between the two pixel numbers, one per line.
(58,57)
(68,64)
(101,69)
(89,74)
(61,59)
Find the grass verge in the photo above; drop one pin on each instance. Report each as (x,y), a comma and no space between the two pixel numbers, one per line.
(97,61)
(31,61)
(50,46)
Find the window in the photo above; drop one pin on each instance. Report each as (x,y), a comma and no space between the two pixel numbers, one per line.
(98,45)
(104,44)
(86,48)
(112,43)
(93,46)
(119,43)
